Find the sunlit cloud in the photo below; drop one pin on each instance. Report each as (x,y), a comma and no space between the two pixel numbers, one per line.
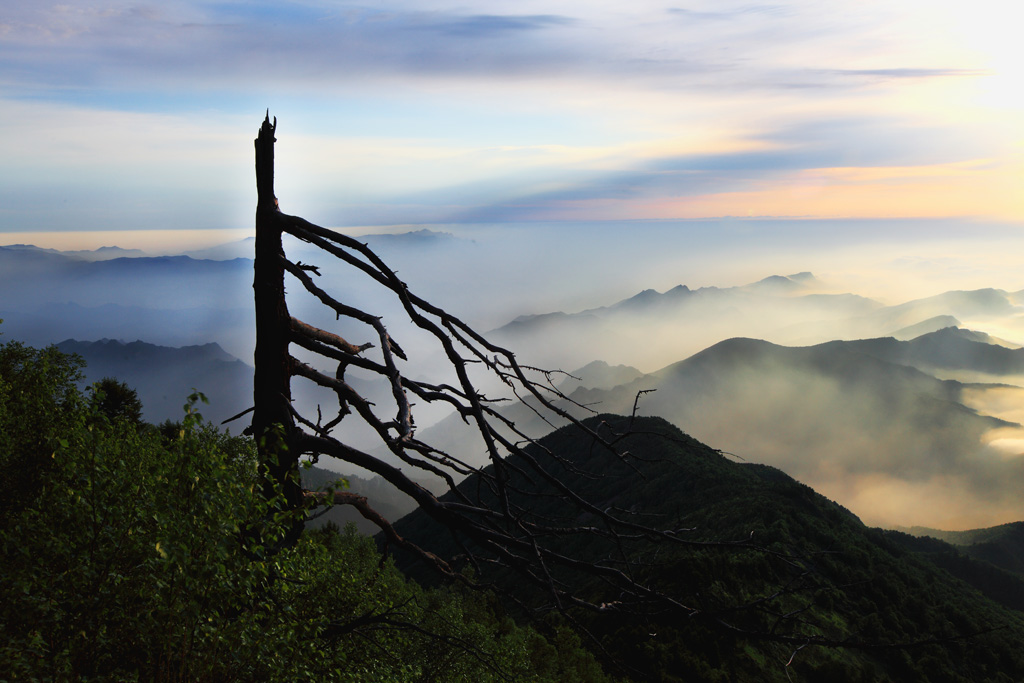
(939,502)
(419,111)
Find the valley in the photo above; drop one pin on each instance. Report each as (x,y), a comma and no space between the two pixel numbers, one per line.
(906,413)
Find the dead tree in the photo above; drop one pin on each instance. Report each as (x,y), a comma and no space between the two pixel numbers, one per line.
(283,436)
(272,425)
(498,520)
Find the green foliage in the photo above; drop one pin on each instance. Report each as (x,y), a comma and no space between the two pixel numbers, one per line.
(143,554)
(38,396)
(130,561)
(116,401)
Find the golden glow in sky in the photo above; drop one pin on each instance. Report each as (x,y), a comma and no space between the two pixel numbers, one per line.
(120,115)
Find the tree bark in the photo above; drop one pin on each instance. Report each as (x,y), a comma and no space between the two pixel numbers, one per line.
(272,424)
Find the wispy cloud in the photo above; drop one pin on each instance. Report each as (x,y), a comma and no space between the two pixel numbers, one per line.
(221,43)
(490,26)
(911,73)
(647,104)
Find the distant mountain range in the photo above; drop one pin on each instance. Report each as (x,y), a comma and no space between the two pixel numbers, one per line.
(53,322)
(853,419)
(1002,546)
(38,276)
(901,400)
(101,254)
(654,328)
(948,349)
(48,295)
(163,376)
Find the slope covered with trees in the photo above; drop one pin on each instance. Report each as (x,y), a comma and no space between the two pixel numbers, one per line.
(132,553)
(817,573)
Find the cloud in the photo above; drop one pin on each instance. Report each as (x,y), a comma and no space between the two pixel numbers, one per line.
(235,45)
(706,15)
(911,73)
(488,26)
(728,106)
(814,154)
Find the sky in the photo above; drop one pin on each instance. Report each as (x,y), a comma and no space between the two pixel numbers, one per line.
(133,115)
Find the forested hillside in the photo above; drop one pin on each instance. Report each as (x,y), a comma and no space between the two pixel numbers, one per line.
(907,612)
(134,553)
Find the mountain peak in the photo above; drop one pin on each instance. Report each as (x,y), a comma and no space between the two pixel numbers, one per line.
(139,349)
(599,375)
(783,283)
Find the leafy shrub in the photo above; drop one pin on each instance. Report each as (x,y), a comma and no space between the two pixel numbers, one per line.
(132,553)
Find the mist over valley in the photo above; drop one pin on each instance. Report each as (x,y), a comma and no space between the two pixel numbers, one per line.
(905,411)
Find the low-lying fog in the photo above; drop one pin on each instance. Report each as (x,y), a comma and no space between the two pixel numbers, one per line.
(564,295)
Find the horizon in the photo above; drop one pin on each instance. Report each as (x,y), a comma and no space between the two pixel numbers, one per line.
(889,260)
(133,126)
(174,309)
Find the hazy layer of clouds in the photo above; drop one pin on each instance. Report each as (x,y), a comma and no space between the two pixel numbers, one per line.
(893,444)
(896,453)
(183,44)
(403,112)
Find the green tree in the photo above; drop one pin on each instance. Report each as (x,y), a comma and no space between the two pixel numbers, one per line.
(117,401)
(38,396)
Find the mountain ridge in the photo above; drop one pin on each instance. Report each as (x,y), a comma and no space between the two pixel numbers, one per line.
(832,415)
(870,584)
(789,310)
(164,376)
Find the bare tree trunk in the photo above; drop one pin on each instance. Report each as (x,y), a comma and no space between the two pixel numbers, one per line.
(272,424)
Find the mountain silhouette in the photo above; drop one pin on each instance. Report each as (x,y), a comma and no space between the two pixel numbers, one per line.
(1002,546)
(950,348)
(652,327)
(164,376)
(839,578)
(845,417)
